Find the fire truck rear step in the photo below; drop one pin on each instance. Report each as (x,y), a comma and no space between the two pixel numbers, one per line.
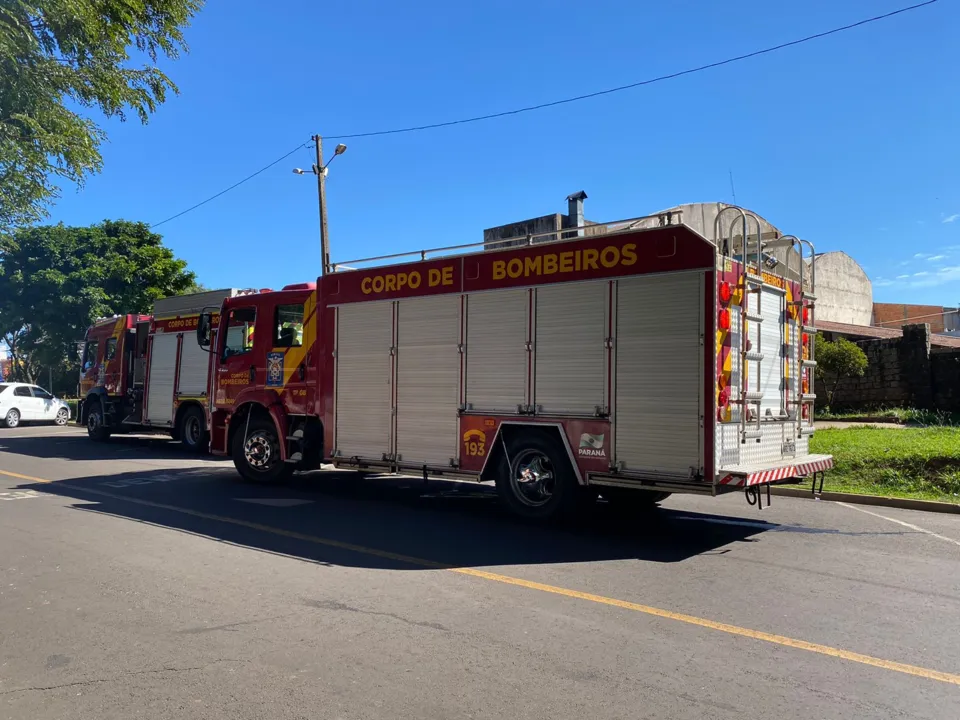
(795,468)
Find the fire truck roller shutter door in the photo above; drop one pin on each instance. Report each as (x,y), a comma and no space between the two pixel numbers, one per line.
(571,361)
(194,364)
(428,379)
(163,365)
(364,391)
(497,331)
(659,373)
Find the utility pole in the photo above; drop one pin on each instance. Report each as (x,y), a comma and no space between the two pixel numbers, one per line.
(320,170)
(321,173)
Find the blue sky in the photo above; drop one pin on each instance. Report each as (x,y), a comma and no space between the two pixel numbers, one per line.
(850,141)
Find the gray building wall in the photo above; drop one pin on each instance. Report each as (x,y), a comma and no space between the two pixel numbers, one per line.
(493,237)
(504,236)
(844,292)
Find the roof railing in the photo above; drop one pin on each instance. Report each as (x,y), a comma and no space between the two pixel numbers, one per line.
(664,219)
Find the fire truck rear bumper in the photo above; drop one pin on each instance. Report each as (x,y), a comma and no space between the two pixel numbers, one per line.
(769,473)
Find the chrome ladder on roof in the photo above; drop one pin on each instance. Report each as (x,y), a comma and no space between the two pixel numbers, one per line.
(749,282)
(805,304)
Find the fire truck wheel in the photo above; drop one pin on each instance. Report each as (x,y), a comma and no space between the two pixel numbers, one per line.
(537,482)
(96,429)
(256,453)
(632,499)
(193,431)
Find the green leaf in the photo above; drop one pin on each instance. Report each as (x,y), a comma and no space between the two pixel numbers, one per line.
(60,53)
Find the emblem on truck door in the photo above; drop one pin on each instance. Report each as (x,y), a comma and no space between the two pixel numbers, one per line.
(591,445)
(275,369)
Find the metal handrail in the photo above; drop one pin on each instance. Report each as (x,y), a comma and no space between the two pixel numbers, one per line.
(511,241)
(812,340)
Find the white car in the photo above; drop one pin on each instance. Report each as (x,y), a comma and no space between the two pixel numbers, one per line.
(20,402)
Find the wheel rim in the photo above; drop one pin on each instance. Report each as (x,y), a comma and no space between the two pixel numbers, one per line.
(532,478)
(192,430)
(13,418)
(61,417)
(260,451)
(93,421)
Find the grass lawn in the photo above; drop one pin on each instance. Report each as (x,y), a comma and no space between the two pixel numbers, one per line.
(921,463)
(905,416)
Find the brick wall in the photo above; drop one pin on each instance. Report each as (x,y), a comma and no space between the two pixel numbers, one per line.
(893,315)
(903,372)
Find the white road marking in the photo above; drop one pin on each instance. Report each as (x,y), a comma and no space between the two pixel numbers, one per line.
(275,502)
(745,523)
(20,495)
(901,522)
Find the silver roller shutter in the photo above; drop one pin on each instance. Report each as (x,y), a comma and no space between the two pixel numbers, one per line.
(194,364)
(497,356)
(659,374)
(163,367)
(571,358)
(428,379)
(364,391)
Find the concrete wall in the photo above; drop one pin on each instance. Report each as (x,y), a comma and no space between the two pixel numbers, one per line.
(493,238)
(844,292)
(534,226)
(901,372)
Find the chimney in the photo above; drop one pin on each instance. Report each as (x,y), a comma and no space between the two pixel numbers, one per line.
(575,211)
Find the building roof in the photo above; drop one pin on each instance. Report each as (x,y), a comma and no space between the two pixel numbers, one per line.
(880,333)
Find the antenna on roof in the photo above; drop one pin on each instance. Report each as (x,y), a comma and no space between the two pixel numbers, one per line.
(732,190)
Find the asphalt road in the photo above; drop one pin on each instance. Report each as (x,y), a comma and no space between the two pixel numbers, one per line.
(139,582)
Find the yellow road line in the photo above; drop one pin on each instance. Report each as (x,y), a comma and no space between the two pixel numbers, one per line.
(530,585)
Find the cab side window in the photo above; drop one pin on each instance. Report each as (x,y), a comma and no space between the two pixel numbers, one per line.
(110,352)
(42,394)
(90,354)
(288,326)
(22,391)
(239,335)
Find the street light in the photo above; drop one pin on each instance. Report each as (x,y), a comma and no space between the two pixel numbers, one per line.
(320,170)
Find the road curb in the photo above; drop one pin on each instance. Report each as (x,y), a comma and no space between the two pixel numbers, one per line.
(902,503)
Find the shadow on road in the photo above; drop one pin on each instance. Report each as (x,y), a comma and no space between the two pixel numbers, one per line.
(325,517)
(328,516)
(72,446)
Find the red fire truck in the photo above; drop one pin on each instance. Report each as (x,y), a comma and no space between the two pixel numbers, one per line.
(640,360)
(143,373)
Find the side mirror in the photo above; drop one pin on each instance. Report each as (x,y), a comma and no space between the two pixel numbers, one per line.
(204,323)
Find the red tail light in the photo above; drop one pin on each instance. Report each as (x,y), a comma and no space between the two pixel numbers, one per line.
(726,292)
(724,319)
(724,397)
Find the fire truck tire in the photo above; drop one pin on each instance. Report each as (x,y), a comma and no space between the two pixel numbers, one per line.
(256,453)
(537,481)
(96,429)
(632,499)
(193,430)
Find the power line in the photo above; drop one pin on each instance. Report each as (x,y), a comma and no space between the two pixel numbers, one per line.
(235,185)
(641,83)
(565,101)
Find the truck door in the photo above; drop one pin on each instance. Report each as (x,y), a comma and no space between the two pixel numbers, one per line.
(288,358)
(237,369)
